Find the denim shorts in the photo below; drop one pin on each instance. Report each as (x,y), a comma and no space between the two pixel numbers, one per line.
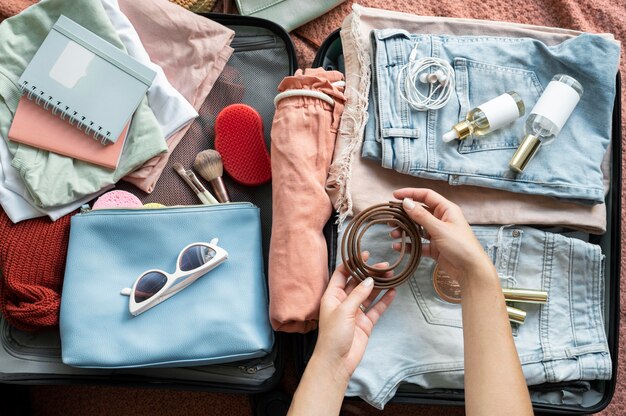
(409,141)
(419,339)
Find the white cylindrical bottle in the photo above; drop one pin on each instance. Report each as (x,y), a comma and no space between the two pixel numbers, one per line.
(487,117)
(547,118)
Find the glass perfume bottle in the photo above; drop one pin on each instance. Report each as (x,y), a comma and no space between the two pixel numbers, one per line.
(547,118)
(487,117)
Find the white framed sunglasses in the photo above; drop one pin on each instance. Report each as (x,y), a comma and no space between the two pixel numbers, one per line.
(154,286)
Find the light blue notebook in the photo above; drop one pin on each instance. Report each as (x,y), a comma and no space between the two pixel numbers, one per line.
(86,80)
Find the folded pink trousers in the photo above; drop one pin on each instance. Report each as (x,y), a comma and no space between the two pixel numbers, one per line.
(303,138)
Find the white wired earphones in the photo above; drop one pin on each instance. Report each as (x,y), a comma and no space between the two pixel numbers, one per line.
(419,70)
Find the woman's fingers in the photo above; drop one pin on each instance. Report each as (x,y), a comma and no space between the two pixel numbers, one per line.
(396,233)
(340,276)
(354,282)
(363,292)
(426,196)
(338,279)
(358,295)
(398,246)
(379,308)
(421,215)
(370,299)
(426,250)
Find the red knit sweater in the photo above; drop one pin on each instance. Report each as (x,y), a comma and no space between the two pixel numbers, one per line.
(32,261)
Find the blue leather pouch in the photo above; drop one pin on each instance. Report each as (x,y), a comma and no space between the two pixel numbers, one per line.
(221,317)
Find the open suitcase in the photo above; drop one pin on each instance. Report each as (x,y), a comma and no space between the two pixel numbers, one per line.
(263,56)
(598,394)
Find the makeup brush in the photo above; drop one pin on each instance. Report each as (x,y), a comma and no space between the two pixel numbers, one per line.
(210,166)
(201,187)
(195,185)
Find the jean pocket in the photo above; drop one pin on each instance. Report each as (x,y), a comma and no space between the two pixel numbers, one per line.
(479,82)
(502,245)
(435,310)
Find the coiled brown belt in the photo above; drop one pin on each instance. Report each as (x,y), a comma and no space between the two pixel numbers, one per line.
(393,214)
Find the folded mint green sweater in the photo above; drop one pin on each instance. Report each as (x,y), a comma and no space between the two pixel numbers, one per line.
(53,179)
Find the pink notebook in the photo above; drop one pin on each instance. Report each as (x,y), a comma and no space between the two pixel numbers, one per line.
(37,127)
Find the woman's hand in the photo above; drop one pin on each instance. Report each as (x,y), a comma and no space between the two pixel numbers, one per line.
(452,242)
(494,382)
(344,328)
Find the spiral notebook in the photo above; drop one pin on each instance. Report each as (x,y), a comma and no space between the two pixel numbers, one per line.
(86,80)
(36,127)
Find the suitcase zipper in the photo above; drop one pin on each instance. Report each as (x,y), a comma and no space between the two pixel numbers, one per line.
(86,209)
(246,43)
(278,31)
(255,369)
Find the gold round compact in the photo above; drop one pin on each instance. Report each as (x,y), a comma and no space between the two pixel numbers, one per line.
(393,215)
(446,286)
(448,289)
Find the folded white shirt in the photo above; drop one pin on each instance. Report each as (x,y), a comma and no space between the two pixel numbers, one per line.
(15,199)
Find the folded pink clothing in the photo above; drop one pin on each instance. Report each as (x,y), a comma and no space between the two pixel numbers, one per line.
(191,49)
(303,137)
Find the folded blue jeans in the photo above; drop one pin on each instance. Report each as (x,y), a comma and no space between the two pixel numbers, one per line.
(419,339)
(409,141)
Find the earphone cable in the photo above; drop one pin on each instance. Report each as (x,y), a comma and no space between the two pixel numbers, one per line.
(409,82)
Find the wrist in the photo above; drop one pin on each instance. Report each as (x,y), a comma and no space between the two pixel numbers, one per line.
(481,276)
(331,368)
(479,265)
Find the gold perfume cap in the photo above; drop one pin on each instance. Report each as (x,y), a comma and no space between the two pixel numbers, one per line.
(516,315)
(525,295)
(463,129)
(525,152)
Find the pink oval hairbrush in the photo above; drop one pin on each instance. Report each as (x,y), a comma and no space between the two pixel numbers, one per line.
(240,140)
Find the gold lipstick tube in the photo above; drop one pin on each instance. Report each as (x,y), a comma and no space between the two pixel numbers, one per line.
(516,315)
(525,295)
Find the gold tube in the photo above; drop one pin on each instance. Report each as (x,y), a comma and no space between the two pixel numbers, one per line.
(525,295)
(516,315)
(524,153)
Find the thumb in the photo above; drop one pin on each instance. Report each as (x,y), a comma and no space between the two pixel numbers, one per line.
(359,294)
(421,215)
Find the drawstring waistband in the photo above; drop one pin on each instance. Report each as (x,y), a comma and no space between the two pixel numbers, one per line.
(309,93)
